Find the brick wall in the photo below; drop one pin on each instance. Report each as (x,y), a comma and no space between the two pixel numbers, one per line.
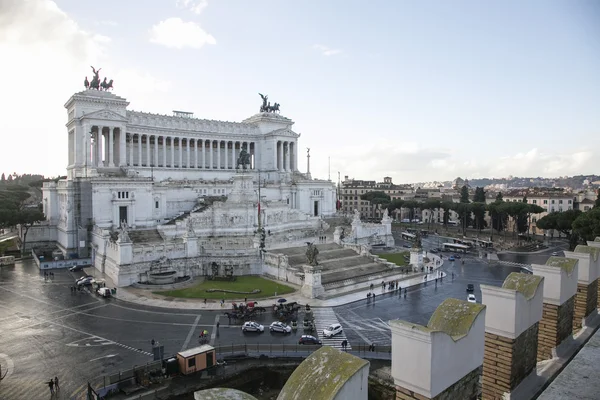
(506,362)
(556,325)
(586,301)
(466,388)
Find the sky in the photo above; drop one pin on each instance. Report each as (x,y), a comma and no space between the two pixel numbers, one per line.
(415,90)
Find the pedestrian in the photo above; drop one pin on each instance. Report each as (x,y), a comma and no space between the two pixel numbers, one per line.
(51,385)
(152,342)
(245,300)
(373,345)
(56,383)
(218,324)
(222,302)
(344,344)
(204,301)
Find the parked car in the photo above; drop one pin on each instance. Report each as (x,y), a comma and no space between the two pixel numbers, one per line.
(433,251)
(451,258)
(308,339)
(332,330)
(280,327)
(470,287)
(471,298)
(408,246)
(252,327)
(457,256)
(77,268)
(104,292)
(85,280)
(555,253)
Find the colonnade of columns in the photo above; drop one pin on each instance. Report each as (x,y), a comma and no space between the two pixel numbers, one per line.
(107,147)
(180,152)
(285,156)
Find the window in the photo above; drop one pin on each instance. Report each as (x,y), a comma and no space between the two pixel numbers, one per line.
(560,202)
(191,362)
(156,204)
(545,201)
(533,219)
(534,201)
(570,201)
(552,201)
(570,208)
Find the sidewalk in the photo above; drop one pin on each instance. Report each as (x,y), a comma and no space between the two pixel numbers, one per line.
(147,298)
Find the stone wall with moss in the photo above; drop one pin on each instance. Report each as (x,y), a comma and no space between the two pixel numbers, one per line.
(555,326)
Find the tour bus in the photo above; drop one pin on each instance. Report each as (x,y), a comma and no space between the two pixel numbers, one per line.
(407,236)
(455,247)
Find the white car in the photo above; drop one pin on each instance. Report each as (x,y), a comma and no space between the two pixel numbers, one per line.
(471,298)
(252,327)
(104,292)
(280,327)
(332,330)
(555,253)
(86,280)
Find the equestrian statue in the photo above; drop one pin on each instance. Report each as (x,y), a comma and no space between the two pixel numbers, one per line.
(243,159)
(266,104)
(95,83)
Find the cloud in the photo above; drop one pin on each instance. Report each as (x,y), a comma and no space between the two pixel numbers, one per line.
(195,6)
(408,163)
(326,51)
(177,34)
(106,23)
(132,80)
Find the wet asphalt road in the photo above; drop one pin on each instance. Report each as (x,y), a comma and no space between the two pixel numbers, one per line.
(47,331)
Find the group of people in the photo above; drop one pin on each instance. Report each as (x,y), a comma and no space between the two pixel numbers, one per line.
(75,289)
(48,275)
(53,385)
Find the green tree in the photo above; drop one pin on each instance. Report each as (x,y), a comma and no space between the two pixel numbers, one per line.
(446,206)
(431,205)
(498,215)
(478,209)
(464,194)
(499,197)
(533,209)
(394,205)
(377,199)
(13,212)
(560,221)
(587,225)
(412,205)
(479,196)
(597,202)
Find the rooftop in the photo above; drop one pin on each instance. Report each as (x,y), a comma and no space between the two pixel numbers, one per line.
(525,284)
(195,350)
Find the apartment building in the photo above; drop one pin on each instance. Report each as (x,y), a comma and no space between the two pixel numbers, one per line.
(352,189)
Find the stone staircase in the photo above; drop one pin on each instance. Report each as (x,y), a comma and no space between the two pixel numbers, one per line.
(145,236)
(341,267)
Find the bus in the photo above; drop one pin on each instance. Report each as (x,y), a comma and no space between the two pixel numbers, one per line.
(484,243)
(8,260)
(455,247)
(467,243)
(407,236)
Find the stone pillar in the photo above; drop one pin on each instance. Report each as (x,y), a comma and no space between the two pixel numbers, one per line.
(156,162)
(130,162)
(287,156)
(99,160)
(218,154)
(122,147)
(148,152)
(179,140)
(139,161)
(560,286)
(111,147)
(226,155)
(164,152)
(312,287)
(280,158)
(212,151)
(203,154)
(187,154)
(443,359)
(172,142)
(511,333)
(586,299)
(596,244)
(233,159)
(195,153)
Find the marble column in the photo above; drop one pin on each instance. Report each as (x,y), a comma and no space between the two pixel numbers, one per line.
(233,159)
(130,163)
(203,153)
(219,154)
(187,153)
(287,156)
(180,152)
(280,160)
(211,154)
(111,147)
(172,142)
(196,153)
(225,154)
(275,155)
(99,147)
(164,152)
(156,151)
(148,151)
(122,146)
(139,149)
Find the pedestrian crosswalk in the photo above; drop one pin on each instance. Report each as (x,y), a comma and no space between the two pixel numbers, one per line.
(324,317)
